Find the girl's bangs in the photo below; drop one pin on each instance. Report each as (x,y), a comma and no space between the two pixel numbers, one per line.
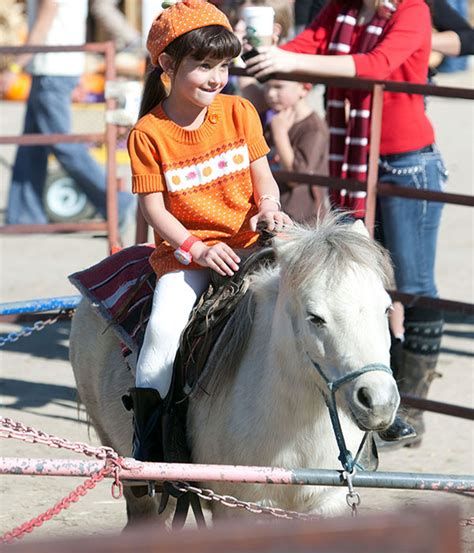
(213,42)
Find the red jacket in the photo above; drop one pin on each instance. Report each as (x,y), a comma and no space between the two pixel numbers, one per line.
(401,55)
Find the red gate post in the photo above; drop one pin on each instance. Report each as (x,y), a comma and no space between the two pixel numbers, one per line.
(111,148)
(374,152)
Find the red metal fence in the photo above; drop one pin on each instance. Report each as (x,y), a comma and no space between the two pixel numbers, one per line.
(371,186)
(109,138)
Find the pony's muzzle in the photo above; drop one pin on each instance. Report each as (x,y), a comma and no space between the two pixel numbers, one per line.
(374,400)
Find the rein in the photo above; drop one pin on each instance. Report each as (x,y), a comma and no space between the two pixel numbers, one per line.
(345,456)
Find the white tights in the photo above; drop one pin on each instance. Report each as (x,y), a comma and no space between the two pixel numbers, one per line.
(173,300)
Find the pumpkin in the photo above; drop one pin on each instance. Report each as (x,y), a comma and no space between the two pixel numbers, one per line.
(19,89)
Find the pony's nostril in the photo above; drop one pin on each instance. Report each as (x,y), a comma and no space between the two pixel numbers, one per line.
(363,396)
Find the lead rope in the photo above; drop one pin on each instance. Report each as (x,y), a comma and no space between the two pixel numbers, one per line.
(348,463)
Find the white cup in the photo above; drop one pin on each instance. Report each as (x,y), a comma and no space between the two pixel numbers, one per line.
(259,23)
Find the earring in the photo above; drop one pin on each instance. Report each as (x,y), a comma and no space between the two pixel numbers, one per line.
(166,81)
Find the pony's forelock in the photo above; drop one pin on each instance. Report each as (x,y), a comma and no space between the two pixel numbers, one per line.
(328,248)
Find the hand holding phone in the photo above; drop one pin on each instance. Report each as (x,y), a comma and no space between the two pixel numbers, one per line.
(251,54)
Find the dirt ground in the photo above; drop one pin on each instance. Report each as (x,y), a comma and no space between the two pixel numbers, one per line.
(38,387)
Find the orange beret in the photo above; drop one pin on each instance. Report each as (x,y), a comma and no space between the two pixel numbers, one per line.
(179,19)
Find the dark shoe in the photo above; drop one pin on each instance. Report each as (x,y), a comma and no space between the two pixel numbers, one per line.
(399,430)
(414,366)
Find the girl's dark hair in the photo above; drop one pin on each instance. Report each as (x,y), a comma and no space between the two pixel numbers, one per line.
(214,41)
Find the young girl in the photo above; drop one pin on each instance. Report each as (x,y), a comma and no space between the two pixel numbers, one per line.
(390,40)
(199,168)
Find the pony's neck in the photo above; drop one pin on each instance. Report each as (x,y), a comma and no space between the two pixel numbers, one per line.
(283,374)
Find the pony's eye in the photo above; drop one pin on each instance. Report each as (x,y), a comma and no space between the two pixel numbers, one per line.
(316,320)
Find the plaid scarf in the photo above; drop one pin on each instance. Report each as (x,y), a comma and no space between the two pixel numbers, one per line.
(349,136)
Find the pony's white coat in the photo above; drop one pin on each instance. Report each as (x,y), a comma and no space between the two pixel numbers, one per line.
(325,301)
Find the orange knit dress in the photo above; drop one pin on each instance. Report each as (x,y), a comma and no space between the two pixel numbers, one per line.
(204,174)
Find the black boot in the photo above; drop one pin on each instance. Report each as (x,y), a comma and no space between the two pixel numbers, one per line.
(147,406)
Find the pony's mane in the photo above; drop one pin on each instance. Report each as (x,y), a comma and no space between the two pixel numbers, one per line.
(303,252)
(227,353)
(329,248)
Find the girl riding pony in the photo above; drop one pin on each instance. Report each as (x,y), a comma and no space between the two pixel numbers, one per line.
(203,182)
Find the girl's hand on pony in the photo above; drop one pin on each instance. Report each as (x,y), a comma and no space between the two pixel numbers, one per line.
(274,220)
(220,257)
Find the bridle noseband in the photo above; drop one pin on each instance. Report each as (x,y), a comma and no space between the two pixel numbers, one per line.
(345,456)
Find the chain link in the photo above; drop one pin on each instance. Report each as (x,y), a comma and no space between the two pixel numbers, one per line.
(12,429)
(352,497)
(229,501)
(28,330)
(73,497)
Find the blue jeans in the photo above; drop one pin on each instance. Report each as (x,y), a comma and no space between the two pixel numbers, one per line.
(49,111)
(410,227)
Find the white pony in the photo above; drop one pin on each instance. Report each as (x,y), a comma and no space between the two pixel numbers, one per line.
(323,304)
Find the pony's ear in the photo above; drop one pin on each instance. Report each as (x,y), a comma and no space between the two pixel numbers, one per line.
(284,242)
(359,227)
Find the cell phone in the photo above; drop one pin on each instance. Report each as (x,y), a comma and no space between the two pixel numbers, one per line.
(251,54)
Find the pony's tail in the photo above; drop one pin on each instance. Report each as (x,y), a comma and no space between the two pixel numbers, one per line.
(154,91)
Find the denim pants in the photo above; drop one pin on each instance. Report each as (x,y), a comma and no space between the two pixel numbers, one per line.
(410,227)
(49,111)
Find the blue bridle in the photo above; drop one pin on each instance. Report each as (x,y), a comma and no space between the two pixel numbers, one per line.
(345,456)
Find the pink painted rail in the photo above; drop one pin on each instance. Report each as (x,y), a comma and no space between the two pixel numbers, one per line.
(135,470)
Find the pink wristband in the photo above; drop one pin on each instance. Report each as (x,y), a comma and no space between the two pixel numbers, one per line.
(188,243)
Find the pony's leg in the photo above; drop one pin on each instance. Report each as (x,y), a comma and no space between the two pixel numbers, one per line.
(142,509)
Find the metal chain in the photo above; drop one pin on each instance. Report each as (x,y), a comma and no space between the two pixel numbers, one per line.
(17,430)
(230,501)
(28,330)
(352,498)
(73,497)
(12,429)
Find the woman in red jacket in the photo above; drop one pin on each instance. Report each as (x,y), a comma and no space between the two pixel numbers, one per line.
(389,40)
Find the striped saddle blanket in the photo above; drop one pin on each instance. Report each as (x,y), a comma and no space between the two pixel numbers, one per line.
(121,288)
